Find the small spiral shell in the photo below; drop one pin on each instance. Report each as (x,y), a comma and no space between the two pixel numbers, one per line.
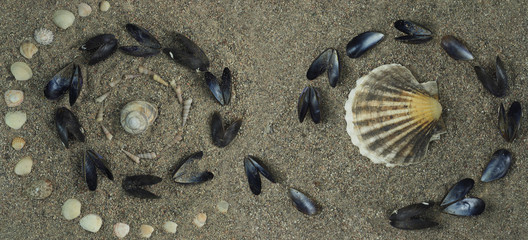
(177,89)
(186,109)
(100,114)
(101,98)
(150,155)
(107,133)
(131,156)
(137,116)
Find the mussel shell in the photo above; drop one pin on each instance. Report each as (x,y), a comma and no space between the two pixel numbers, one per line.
(98,161)
(334,68)
(466,207)
(261,168)
(131,185)
(413,39)
(455,49)
(195,178)
(182,175)
(142,36)
(498,166)
(214,86)
(458,191)
(411,28)
(315,111)
(141,193)
(226,85)
(362,43)
(303,104)
(76,84)
(302,202)
(68,126)
(89,172)
(230,133)
(59,84)
(253,176)
(413,224)
(139,51)
(102,46)
(319,65)
(188,54)
(410,211)
(510,123)
(221,137)
(96,42)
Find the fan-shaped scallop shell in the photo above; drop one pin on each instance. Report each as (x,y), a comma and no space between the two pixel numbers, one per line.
(137,116)
(391,117)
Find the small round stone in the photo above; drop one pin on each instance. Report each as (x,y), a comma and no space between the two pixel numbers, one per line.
(63,18)
(200,219)
(71,209)
(21,71)
(145,231)
(104,6)
(15,120)
(91,223)
(84,10)
(121,230)
(18,143)
(23,166)
(40,189)
(170,227)
(222,206)
(43,36)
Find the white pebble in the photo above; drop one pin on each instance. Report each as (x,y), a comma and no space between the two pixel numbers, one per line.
(200,219)
(63,18)
(21,71)
(145,231)
(222,206)
(43,36)
(84,10)
(15,120)
(71,209)
(23,166)
(121,230)
(91,222)
(170,227)
(104,6)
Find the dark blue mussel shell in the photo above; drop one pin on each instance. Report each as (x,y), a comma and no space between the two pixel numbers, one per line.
(59,84)
(455,49)
(68,126)
(328,60)
(466,207)
(303,103)
(498,166)
(184,173)
(362,43)
(496,86)
(413,39)
(510,123)
(91,162)
(410,217)
(261,168)
(102,47)
(302,202)
(411,28)
(187,53)
(458,191)
(315,111)
(254,167)
(139,51)
(142,36)
(309,99)
(132,186)
(221,92)
(334,68)
(76,84)
(221,136)
(226,85)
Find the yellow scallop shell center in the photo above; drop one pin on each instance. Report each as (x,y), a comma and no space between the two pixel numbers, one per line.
(425,108)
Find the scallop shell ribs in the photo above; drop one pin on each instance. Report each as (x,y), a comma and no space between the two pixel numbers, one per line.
(391,117)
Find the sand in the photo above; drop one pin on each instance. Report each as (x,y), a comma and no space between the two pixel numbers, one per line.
(268,46)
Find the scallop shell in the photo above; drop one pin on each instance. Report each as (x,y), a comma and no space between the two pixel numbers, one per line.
(391,117)
(21,71)
(137,116)
(13,98)
(18,143)
(28,49)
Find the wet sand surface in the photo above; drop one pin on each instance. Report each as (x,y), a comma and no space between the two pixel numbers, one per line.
(268,46)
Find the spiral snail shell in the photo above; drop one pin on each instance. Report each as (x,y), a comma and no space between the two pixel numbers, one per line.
(136,116)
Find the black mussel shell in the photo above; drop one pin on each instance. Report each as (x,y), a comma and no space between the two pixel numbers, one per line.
(413,224)
(226,85)
(497,86)
(188,54)
(315,111)
(214,86)
(221,137)
(76,84)
(455,49)
(102,46)
(68,126)
(185,174)
(253,176)
(302,202)
(139,51)
(303,104)
(98,161)
(413,39)
(319,65)
(498,166)
(411,28)
(466,207)
(132,184)
(89,172)
(458,191)
(261,168)
(334,69)
(510,123)
(362,43)
(59,84)
(410,211)
(142,36)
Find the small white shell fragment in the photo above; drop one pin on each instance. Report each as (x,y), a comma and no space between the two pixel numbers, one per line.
(131,156)
(101,98)
(91,223)
(104,6)
(107,133)
(200,220)
(84,10)
(63,18)
(71,209)
(24,166)
(40,189)
(13,98)
(18,143)
(150,155)
(170,227)
(15,120)
(186,110)
(43,36)
(21,71)
(28,49)
(222,206)
(145,231)
(121,230)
